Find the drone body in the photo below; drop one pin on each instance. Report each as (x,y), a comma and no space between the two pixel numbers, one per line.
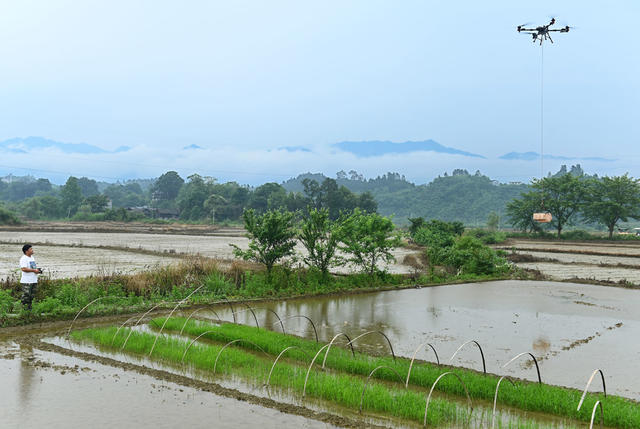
(542,32)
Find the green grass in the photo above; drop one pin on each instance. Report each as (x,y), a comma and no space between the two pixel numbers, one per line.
(619,412)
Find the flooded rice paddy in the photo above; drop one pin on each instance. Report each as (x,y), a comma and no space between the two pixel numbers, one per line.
(41,389)
(571,328)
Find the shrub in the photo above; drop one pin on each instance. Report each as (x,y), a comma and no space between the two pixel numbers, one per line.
(48,305)
(8,218)
(487,237)
(6,301)
(470,256)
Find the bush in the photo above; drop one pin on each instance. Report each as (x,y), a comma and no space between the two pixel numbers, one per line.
(470,256)
(8,218)
(487,237)
(49,305)
(6,301)
(580,234)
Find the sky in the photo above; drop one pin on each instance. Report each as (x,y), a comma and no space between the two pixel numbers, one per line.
(244,79)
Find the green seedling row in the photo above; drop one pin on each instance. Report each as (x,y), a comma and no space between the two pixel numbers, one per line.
(528,396)
(342,389)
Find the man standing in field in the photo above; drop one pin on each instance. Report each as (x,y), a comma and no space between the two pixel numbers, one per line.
(29,279)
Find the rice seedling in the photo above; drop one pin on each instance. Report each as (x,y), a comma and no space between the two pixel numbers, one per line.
(382,398)
(344,389)
(544,398)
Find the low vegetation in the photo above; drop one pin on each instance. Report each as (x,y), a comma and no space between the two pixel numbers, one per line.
(344,382)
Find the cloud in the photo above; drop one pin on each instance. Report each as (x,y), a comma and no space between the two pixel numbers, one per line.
(228,162)
(532,156)
(33,144)
(379,148)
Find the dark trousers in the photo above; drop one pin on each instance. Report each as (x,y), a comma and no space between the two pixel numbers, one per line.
(28,292)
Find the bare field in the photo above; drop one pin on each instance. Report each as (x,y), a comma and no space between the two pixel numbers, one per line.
(71,254)
(597,262)
(64,262)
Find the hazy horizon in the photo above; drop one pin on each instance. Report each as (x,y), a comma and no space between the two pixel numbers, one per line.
(266,90)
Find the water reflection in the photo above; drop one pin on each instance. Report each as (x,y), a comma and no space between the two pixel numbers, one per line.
(26,379)
(506,318)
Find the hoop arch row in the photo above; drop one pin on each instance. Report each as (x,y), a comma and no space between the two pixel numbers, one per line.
(331,343)
(276,360)
(593,415)
(374,332)
(191,343)
(138,322)
(426,409)
(313,325)
(495,398)
(484,365)
(406,384)
(369,379)
(604,386)
(534,361)
(215,364)
(169,316)
(306,378)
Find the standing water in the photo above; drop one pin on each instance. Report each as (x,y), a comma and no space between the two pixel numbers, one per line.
(572,329)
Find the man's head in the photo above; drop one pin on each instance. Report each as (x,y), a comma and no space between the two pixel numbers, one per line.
(27,249)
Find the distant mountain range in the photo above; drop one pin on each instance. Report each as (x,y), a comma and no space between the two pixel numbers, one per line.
(29,144)
(380,148)
(532,156)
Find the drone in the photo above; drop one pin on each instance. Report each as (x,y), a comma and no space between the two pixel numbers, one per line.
(542,32)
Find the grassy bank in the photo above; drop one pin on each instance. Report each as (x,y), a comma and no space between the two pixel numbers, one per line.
(543,398)
(342,387)
(120,294)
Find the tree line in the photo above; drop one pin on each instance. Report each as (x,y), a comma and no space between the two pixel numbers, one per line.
(197,198)
(573,198)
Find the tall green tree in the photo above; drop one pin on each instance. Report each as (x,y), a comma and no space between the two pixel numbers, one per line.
(89,187)
(366,239)
(563,197)
(520,212)
(318,235)
(167,187)
(71,195)
(272,237)
(213,203)
(98,203)
(192,197)
(612,199)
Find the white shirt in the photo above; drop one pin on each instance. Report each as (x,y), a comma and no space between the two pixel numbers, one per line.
(28,262)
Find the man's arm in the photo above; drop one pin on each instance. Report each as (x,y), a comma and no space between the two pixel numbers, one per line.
(30,270)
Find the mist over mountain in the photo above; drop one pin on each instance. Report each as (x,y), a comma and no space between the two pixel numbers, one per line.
(532,156)
(379,148)
(36,144)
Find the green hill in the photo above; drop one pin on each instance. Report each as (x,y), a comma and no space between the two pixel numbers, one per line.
(460,196)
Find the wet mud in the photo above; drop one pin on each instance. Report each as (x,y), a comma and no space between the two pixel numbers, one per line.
(292,409)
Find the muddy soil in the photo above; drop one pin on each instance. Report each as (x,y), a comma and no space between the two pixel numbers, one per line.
(40,381)
(65,262)
(124,227)
(590,262)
